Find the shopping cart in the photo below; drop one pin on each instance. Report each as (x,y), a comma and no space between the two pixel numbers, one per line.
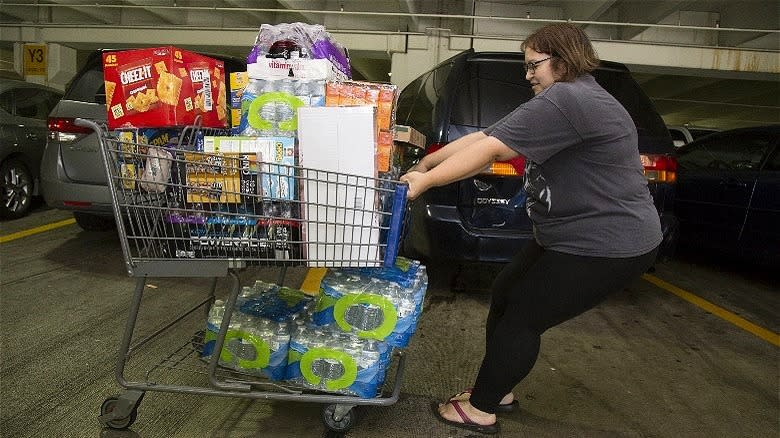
(181,212)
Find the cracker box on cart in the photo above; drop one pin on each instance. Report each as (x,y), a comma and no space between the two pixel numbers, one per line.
(164,87)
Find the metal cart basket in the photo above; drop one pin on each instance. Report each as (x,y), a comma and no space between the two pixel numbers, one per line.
(182,212)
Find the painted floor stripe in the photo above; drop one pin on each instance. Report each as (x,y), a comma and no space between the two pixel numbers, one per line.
(767,335)
(36,230)
(311,284)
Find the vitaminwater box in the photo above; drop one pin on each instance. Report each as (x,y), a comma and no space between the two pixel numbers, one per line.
(374,303)
(326,359)
(163,87)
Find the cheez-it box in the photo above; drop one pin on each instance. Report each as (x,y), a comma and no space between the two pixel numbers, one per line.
(164,87)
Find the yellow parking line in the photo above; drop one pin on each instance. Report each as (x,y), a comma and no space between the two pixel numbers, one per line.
(311,284)
(36,230)
(767,335)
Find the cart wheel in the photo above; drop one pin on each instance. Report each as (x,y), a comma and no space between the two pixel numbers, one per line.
(343,424)
(108,406)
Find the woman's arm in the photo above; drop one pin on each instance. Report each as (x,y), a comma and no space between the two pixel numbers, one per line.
(468,160)
(428,162)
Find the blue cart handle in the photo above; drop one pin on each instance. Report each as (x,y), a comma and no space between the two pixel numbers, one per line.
(396,224)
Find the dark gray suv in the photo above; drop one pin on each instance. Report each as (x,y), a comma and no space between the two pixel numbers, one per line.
(483,218)
(23,110)
(72,173)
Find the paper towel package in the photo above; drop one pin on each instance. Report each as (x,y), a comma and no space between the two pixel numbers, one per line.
(341,225)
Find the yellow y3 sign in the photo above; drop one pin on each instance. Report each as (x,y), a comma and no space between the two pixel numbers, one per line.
(35,59)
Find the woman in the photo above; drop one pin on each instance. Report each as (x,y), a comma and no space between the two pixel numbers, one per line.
(595,226)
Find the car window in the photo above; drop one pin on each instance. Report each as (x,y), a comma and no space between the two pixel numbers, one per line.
(654,137)
(677,137)
(739,151)
(699,133)
(421,111)
(34,103)
(490,91)
(88,87)
(773,165)
(406,100)
(7,101)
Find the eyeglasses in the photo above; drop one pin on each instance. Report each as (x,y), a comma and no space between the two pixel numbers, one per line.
(531,66)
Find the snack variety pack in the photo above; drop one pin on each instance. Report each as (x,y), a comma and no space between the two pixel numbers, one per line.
(163,87)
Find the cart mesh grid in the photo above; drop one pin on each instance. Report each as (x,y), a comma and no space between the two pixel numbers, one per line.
(178,204)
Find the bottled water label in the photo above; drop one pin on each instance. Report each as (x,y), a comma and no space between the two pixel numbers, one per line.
(327,369)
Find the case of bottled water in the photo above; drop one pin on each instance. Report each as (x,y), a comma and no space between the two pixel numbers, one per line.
(328,359)
(258,337)
(374,303)
(269,107)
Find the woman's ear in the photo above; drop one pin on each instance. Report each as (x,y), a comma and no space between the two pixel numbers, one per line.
(560,69)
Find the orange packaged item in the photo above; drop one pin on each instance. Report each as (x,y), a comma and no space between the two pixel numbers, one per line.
(163,87)
(384,114)
(384,151)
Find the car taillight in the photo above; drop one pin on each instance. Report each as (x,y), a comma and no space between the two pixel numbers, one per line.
(513,167)
(659,168)
(64,129)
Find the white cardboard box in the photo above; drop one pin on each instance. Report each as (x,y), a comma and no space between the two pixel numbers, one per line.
(341,226)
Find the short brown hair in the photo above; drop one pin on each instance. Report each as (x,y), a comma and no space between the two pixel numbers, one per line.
(572,52)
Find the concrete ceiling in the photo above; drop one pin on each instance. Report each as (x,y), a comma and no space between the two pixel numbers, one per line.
(704,97)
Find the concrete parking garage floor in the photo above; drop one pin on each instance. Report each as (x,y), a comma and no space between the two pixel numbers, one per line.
(646,363)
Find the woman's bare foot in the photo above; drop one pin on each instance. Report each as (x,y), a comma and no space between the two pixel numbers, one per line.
(466,395)
(448,412)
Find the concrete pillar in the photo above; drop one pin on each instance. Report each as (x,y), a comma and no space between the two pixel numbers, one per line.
(60,64)
(423,52)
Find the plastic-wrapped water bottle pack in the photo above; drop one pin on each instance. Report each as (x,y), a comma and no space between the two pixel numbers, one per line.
(374,303)
(341,342)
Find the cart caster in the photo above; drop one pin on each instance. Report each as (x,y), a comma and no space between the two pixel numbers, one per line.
(339,418)
(120,412)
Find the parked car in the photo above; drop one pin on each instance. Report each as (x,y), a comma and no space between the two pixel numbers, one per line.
(23,110)
(682,135)
(482,218)
(728,193)
(72,173)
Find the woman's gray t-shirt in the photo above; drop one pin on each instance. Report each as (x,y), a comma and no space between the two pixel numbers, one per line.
(587,194)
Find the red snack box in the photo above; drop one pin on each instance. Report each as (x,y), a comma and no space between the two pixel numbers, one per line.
(163,87)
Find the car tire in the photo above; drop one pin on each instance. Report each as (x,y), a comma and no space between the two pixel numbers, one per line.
(94,222)
(17,186)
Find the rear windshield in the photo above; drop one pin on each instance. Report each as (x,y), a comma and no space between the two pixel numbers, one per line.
(489,91)
(492,88)
(654,137)
(418,100)
(88,86)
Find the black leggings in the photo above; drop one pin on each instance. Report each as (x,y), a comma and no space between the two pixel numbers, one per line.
(537,290)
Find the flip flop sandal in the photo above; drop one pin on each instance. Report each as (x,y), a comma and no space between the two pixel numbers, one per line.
(467,423)
(504,409)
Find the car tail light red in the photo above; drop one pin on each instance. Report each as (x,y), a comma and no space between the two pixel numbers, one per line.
(513,167)
(659,168)
(65,129)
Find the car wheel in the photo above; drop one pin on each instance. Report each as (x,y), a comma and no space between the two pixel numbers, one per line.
(17,189)
(94,222)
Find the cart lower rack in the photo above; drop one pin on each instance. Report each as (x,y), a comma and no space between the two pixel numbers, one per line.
(182,212)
